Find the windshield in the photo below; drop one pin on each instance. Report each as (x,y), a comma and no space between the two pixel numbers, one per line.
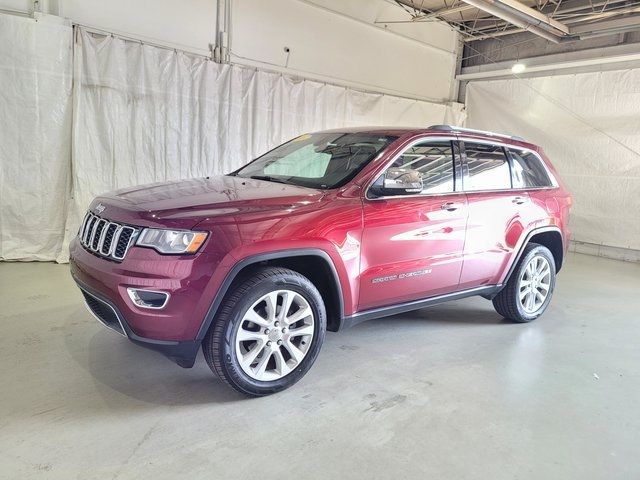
(318,160)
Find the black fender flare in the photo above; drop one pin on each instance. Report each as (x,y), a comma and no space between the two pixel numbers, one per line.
(525,242)
(262,257)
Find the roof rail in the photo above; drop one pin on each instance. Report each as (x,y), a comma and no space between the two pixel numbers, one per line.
(451,128)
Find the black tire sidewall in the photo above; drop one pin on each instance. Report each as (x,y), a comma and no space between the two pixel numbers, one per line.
(229,360)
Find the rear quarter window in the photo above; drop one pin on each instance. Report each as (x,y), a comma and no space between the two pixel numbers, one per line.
(528,170)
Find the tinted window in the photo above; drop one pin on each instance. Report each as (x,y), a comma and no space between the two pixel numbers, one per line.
(318,160)
(528,171)
(434,162)
(487,166)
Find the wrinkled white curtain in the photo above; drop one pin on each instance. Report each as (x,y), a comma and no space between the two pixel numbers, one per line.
(35,136)
(142,114)
(146,114)
(589,125)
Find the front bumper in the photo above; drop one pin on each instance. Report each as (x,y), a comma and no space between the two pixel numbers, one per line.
(183,353)
(191,282)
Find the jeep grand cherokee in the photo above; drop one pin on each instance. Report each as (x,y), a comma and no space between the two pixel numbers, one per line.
(323,232)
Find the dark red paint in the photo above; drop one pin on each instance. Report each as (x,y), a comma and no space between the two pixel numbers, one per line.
(470,246)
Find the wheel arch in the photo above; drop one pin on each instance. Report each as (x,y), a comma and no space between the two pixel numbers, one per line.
(313,263)
(550,237)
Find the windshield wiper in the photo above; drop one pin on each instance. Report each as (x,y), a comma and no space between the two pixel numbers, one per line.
(268,179)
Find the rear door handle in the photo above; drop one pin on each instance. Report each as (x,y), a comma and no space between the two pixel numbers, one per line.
(450,206)
(519,200)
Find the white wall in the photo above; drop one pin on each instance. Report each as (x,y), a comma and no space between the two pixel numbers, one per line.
(189,24)
(329,46)
(382,14)
(336,41)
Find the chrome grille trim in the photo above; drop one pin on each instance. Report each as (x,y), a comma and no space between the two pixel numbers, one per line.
(104,243)
(119,246)
(87,233)
(96,236)
(94,229)
(83,227)
(123,230)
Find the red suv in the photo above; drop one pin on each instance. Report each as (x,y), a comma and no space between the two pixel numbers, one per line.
(323,232)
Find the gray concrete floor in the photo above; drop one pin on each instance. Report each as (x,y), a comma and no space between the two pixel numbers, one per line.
(447,392)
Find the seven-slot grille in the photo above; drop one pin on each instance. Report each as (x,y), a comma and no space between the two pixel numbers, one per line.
(106,238)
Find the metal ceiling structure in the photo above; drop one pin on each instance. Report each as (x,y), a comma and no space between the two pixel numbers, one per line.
(557,21)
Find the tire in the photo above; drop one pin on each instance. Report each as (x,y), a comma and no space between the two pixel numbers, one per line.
(508,301)
(260,298)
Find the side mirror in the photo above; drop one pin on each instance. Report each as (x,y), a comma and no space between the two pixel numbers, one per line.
(398,181)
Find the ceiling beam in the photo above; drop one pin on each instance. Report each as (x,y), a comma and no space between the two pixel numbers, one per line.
(605,25)
(557,14)
(531,12)
(561,63)
(519,18)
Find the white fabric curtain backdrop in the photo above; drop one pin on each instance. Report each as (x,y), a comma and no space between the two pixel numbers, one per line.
(146,114)
(142,114)
(589,125)
(35,136)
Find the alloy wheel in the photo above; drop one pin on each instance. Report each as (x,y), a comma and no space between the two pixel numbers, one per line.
(534,285)
(274,335)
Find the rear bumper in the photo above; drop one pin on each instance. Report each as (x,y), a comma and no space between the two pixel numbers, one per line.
(106,312)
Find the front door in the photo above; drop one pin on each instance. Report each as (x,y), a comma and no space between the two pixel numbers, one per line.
(412,245)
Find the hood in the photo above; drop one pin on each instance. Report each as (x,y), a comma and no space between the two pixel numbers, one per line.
(182,204)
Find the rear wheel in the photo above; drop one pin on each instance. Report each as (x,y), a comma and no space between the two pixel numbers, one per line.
(530,287)
(269,332)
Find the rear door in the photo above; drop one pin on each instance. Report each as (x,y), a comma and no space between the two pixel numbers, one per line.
(498,214)
(412,244)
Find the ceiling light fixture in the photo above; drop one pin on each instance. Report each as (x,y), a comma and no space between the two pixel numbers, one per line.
(518,68)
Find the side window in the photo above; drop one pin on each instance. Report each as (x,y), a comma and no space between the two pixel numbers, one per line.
(488,167)
(434,162)
(528,171)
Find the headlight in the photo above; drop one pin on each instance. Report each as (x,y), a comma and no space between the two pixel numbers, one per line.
(171,241)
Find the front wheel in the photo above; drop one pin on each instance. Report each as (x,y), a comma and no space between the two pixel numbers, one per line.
(269,332)
(530,287)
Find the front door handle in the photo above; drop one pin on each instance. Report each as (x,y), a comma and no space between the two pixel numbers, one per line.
(519,200)
(450,206)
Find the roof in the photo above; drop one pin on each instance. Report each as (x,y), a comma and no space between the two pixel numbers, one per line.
(435,130)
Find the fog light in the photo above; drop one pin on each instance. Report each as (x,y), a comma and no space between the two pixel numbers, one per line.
(148,298)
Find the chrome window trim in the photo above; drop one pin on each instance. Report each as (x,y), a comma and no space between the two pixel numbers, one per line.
(506,146)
